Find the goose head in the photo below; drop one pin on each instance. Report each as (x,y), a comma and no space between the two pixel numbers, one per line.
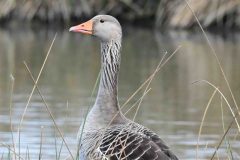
(104,27)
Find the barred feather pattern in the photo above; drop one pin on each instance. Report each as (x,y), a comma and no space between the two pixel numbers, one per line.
(110,63)
(129,141)
(122,139)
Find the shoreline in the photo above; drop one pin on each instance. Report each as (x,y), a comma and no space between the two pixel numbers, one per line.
(222,14)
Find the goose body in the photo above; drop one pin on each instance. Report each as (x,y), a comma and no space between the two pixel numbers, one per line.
(107,133)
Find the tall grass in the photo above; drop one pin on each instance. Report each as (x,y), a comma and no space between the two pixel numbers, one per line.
(12,151)
(10,115)
(235,114)
(25,110)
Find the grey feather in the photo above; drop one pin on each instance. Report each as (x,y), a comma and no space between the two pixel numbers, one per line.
(108,134)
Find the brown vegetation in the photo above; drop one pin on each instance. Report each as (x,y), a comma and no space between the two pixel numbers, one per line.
(173,13)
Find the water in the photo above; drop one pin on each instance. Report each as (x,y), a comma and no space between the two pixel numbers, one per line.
(173,108)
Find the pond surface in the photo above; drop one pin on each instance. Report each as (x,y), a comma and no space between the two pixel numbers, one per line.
(173,108)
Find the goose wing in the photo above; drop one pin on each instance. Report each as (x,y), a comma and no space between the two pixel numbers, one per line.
(134,142)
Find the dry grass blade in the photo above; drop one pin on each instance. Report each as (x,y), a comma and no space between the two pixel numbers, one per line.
(225,99)
(27,154)
(10,114)
(224,130)
(149,82)
(55,144)
(48,110)
(150,77)
(232,122)
(30,96)
(223,137)
(223,74)
(95,84)
(203,118)
(137,101)
(215,55)
(60,150)
(41,142)
(10,149)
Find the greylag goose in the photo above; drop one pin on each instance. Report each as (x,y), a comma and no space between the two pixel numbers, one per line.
(107,133)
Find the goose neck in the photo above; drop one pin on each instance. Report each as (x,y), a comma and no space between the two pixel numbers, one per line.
(110,66)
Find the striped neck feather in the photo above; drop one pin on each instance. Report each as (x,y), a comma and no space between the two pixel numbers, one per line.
(106,107)
(110,65)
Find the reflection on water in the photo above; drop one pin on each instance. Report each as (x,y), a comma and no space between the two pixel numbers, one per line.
(173,108)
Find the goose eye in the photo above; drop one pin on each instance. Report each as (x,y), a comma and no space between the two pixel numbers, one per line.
(101,20)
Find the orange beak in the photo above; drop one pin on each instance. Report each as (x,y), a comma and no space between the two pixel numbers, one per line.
(86,28)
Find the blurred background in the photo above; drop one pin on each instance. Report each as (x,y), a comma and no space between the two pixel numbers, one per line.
(158,13)
(151,28)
